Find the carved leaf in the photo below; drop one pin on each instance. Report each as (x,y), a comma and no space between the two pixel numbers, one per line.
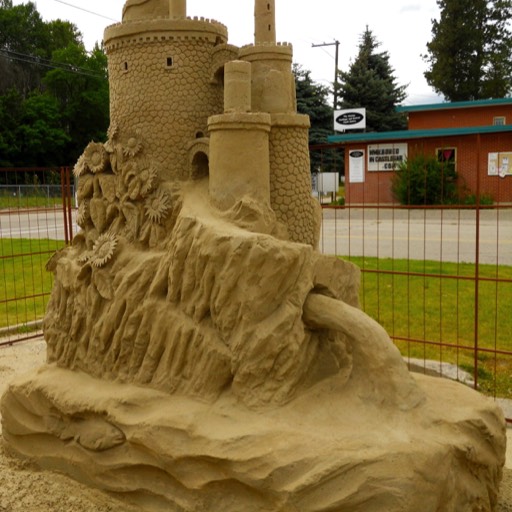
(108,187)
(98,212)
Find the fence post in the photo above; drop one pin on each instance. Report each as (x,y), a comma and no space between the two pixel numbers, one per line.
(477,257)
(64,201)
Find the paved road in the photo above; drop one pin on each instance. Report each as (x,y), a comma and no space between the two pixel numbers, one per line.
(34,224)
(433,234)
(448,235)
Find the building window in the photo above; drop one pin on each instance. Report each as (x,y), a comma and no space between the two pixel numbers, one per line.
(448,157)
(499,121)
(170,62)
(125,66)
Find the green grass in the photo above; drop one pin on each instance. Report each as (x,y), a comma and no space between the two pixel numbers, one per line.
(17,203)
(24,283)
(440,309)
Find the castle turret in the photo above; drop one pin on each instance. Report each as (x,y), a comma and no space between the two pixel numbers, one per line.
(264,22)
(239,144)
(177,9)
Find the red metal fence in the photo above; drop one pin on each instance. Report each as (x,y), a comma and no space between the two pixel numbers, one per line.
(35,221)
(438,277)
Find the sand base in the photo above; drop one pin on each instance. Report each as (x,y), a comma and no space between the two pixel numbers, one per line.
(321,452)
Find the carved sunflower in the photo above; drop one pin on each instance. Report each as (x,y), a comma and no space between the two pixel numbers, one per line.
(148,179)
(96,157)
(132,146)
(157,206)
(80,167)
(84,257)
(103,250)
(83,215)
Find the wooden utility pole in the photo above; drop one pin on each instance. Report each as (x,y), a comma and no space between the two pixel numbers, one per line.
(337,44)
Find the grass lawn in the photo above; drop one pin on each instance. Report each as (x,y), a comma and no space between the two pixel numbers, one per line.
(25,284)
(16,203)
(440,309)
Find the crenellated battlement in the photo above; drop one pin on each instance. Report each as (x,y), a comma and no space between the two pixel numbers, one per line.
(164,29)
(284,44)
(271,52)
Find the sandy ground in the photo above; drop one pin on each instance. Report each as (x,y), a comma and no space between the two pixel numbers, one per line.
(24,488)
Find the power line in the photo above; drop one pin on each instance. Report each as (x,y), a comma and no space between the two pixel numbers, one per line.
(86,10)
(68,68)
(42,60)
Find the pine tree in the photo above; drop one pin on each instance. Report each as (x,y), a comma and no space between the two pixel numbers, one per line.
(370,83)
(313,100)
(470,53)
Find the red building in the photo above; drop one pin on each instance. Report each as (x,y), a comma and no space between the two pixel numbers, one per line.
(474,136)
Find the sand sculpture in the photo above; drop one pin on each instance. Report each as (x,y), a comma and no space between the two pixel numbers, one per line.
(202,354)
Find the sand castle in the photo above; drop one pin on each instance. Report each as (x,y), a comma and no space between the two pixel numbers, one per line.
(202,354)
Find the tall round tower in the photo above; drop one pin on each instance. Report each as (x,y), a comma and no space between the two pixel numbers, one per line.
(161,86)
(273,92)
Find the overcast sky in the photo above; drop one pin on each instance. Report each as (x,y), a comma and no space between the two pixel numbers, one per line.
(402,26)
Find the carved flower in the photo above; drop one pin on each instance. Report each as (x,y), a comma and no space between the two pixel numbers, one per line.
(148,179)
(132,146)
(84,257)
(96,156)
(103,250)
(82,215)
(80,167)
(157,206)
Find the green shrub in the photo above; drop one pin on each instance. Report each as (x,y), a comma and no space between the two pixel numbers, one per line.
(339,202)
(485,200)
(423,180)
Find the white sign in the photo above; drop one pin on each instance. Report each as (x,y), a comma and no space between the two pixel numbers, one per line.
(356,166)
(328,182)
(386,157)
(351,119)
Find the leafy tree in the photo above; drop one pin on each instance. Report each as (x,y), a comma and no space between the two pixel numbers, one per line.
(370,83)
(22,33)
(11,110)
(469,56)
(80,87)
(27,44)
(424,180)
(53,94)
(41,136)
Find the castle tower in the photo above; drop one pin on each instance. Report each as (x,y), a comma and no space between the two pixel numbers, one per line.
(161,87)
(273,92)
(177,9)
(264,22)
